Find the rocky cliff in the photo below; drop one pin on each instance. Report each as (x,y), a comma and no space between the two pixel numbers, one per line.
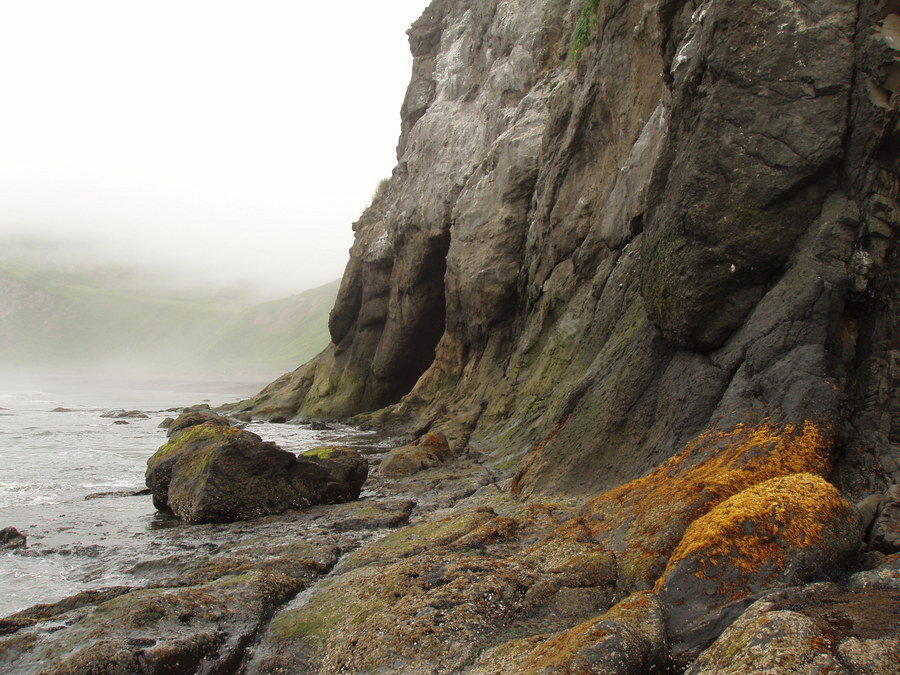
(634,276)
(615,224)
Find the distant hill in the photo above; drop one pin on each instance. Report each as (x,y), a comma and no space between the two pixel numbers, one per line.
(283,333)
(58,318)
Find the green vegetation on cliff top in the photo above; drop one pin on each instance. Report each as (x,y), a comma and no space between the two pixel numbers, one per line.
(584,30)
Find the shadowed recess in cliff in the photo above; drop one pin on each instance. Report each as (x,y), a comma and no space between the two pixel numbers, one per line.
(407,344)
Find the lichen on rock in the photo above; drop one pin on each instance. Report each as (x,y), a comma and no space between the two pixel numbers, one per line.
(628,639)
(783,531)
(645,519)
(796,515)
(817,628)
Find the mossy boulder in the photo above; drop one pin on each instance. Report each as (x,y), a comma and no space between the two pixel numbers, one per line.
(781,532)
(186,434)
(427,452)
(209,471)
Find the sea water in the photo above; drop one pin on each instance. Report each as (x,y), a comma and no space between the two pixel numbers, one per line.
(51,461)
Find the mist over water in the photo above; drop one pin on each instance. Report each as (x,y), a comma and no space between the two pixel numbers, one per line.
(64,313)
(207,144)
(177,189)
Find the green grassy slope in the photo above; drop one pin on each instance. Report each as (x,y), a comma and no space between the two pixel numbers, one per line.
(50,319)
(286,332)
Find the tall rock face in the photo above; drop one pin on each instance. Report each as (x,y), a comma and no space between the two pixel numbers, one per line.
(616,224)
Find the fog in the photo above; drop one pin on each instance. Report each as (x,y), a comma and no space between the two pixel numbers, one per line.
(215,145)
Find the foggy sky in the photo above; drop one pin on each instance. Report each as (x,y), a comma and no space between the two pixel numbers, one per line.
(229,141)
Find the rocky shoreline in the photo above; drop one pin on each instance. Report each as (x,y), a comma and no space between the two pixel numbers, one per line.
(258,564)
(446,569)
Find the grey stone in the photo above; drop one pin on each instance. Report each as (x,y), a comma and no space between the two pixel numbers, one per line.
(884,534)
(10,537)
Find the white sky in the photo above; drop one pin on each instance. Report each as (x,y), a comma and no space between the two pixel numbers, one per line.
(232,140)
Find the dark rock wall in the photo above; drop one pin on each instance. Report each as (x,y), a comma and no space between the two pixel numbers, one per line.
(583,265)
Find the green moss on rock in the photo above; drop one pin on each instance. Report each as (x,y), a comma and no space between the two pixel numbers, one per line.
(324,452)
(201,434)
(417,538)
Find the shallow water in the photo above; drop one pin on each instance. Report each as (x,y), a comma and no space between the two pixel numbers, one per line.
(50,461)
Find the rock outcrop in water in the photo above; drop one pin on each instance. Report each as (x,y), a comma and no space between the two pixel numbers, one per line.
(10,537)
(210,471)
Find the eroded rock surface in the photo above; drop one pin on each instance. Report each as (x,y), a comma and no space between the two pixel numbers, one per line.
(884,531)
(729,519)
(152,630)
(628,639)
(602,249)
(647,265)
(644,253)
(484,582)
(819,628)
